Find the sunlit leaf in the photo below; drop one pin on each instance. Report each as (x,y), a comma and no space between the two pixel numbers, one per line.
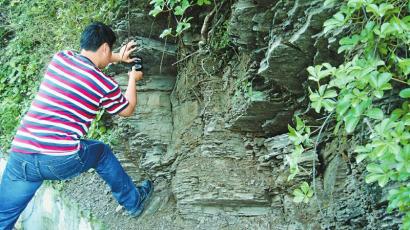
(351,123)
(375,113)
(165,33)
(405,93)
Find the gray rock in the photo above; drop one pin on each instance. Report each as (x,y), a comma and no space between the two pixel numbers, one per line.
(212,133)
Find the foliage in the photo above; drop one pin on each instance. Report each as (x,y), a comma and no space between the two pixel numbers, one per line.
(245,88)
(303,194)
(39,28)
(9,118)
(300,136)
(97,128)
(220,40)
(376,69)
(178,8)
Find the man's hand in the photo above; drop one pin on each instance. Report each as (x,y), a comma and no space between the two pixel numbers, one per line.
(126,50)
(137,75)
(124,54)
(131,93)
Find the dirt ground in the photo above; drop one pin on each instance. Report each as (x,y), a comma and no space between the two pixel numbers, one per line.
(93,195)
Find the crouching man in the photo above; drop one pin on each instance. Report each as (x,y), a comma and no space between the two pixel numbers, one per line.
(49,142)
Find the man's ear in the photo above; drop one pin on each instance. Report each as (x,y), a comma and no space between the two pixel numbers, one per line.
(107,48)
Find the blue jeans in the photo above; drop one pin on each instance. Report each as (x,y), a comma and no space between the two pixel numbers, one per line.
(25,173)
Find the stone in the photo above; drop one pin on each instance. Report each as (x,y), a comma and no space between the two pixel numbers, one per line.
(212,133)
(206,188)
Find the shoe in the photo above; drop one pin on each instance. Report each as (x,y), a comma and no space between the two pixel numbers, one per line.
(145,190)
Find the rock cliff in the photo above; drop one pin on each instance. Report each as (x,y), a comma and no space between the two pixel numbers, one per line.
(211,123)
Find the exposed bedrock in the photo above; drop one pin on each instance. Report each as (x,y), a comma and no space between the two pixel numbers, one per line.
(211,129)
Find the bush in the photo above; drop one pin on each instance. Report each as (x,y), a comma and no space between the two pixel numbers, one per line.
(32,32)
(376,46)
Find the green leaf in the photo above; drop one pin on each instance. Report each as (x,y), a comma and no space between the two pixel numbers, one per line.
(182,26)
(295,136)
(384,8)
(317,105)
(358,110)
(303,193)
(360,157)
(384,127)
(404,65)
(385,30)
(154,12)
(375,113)
(305,187)
(180,10)
(383,180)
(330,94)
(362,149)
(356,4)
(299,123)
(329,104)
(203,2)
(316,101)
(380,81)
(336,21)
(343,105)
(380,10)
(372,178)
(317,73)
(313,73)
(375,168)
(166,33)
(348,43)
(293,172)
(405,93)
(185,4)
(396,114)
(351,123)
(299,196)
(292,131)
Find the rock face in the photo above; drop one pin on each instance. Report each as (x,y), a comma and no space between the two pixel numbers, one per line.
(211,133)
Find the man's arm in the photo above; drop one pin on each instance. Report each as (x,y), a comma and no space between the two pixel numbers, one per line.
(131,92)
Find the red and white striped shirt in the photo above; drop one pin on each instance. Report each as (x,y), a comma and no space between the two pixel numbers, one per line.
(71,93)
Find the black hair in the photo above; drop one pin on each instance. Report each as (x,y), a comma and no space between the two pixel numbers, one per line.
(96,34)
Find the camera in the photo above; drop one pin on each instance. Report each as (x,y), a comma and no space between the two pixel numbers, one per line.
(137,63)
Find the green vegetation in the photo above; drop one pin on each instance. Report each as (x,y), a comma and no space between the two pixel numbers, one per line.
(369,90)
(178,9)
(31,33)
(220,40)
(303,194)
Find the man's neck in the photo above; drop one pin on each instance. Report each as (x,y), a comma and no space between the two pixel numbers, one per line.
(92,56)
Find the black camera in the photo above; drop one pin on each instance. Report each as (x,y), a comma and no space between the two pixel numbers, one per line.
(137,63)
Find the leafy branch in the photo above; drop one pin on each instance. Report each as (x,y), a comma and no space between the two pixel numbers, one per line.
(377,66)
(178,9)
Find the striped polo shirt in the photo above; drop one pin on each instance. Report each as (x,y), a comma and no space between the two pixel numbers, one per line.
(71,93)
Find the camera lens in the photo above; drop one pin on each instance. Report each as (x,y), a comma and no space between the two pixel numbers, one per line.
(137,64)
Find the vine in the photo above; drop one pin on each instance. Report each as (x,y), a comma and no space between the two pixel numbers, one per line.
(370,89)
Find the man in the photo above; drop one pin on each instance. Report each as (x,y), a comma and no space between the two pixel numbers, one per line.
(48,144)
